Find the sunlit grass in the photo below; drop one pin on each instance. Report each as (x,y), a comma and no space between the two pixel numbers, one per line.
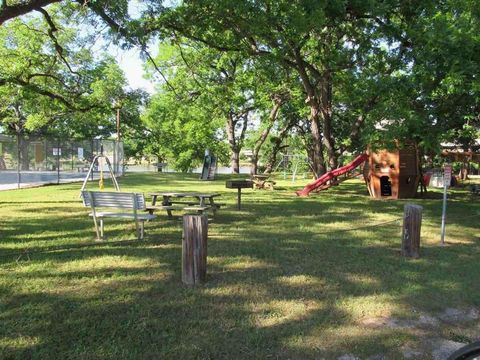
(288,277)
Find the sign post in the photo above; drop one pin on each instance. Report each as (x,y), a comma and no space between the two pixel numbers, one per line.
(447,178)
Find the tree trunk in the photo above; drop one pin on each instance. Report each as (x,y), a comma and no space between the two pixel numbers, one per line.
(235,160)
(254,165)
(232,141)
(24,159)
(277,145)
(318,162)
(463,174)
(325,90)
(263,136)
(236,142)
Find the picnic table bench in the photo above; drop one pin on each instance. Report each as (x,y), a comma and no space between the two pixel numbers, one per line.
(189,201)
(132,205)
(263,182)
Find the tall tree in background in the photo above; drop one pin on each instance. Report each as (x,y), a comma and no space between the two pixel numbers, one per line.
(412,63)
(52,84)
(318,40)
(220,86)
(436,95)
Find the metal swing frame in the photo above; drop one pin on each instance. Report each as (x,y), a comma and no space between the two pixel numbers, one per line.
(91,169)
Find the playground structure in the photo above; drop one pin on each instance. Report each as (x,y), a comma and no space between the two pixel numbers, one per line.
(393,174)
(209,167)
(320,183)
(388,174)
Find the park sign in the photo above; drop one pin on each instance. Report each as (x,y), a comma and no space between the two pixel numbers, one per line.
(447,175)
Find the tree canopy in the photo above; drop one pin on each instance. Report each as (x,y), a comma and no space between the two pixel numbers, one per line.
(343,74)
(52,83)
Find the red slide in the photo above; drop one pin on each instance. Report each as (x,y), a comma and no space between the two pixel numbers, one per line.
(359,160)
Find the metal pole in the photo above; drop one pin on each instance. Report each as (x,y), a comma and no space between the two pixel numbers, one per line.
(18,162)
(58,161)
(115,160)
(112,175)
(118,124)
(93,157)
(45,149)
(447,177)
(295,169)
(114,157)
(90,171)
(444,212)
(71,149)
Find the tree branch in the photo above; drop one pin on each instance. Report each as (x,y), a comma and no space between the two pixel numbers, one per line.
(157,68)
(51,34)
(182,55)
(41,91)
(8,12)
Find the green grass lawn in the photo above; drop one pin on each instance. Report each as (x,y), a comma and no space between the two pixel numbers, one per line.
(284,278)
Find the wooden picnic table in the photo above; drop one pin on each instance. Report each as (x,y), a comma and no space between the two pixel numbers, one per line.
(263,182)
(189,201)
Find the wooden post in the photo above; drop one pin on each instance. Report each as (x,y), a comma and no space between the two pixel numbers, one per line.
(412,223)
(194,249)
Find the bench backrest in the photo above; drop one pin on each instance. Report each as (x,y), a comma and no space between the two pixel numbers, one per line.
(107,199)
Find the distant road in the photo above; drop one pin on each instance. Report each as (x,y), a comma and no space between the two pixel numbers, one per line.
(8,179)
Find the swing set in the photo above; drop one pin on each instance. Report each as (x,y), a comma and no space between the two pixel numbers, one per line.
(295,163)
(100,161)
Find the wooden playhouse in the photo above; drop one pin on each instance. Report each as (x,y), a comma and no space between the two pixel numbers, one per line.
(393,174)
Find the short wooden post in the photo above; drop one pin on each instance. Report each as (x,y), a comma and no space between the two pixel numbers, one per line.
(412,224)
(239,198)
(194,249)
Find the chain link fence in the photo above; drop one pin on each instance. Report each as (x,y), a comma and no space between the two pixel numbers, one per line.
(34,161)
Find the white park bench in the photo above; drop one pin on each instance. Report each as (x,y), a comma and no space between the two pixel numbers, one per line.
(135,202)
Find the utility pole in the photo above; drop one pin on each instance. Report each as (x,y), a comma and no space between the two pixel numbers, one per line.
(118,124)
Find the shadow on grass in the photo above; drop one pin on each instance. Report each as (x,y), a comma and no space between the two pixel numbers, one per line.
(258,310)
(279,285)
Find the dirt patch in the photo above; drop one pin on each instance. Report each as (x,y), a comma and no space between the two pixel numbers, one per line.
(441,349)
(437,336)
(455,316)
(348,357)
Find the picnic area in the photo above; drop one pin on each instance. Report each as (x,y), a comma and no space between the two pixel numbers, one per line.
(239,179)
(287,277)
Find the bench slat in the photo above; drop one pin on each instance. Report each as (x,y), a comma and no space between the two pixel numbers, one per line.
(164,207)
(124,215)
(113,200)
(196,208)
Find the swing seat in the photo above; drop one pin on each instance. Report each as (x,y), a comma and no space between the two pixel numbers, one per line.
(135,202)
